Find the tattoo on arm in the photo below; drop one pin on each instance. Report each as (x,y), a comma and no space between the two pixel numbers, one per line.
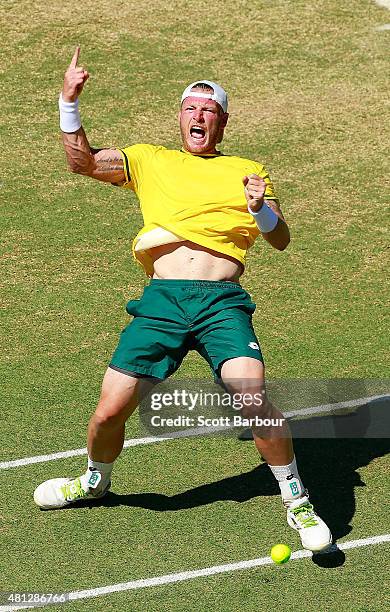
(102,164)
(109,164)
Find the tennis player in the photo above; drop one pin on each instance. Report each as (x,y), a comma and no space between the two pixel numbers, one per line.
(202,211)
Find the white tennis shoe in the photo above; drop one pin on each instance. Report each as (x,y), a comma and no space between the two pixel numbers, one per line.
(314,532)
(61,492)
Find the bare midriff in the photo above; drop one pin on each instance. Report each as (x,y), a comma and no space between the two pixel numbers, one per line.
(189,261)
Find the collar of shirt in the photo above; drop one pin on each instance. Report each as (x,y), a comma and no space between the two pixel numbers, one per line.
(216,154)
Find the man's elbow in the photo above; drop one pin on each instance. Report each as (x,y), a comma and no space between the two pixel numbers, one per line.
(73,167)
(79,168)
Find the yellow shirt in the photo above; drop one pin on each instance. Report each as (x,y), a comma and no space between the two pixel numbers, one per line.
(199,198)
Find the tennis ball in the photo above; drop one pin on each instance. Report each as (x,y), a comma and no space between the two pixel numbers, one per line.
(280,553)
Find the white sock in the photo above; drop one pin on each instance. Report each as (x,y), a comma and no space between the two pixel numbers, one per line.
(290,483)
(90,480)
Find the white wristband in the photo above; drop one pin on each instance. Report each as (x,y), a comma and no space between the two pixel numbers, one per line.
(70,120)
(266,219)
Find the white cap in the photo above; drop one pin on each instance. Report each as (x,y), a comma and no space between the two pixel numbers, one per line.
(219,94)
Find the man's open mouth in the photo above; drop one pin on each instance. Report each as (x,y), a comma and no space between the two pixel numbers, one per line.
(197,133)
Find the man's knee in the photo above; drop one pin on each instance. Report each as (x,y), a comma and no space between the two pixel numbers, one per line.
(249,395)
(119,397)
(111,413)
(257,405)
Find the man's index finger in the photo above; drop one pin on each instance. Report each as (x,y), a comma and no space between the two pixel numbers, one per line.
(75,58)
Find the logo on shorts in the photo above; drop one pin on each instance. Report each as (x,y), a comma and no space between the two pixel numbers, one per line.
(254,345)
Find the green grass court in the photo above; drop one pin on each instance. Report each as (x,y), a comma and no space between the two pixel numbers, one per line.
(308,85)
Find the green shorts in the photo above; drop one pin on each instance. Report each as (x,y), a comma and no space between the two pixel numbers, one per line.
(176,316)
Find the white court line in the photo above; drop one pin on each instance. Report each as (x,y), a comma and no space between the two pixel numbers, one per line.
(199,573)
(383,3)
(186,433)
(338,406)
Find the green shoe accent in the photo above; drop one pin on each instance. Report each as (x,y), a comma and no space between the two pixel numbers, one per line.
(305,515)
(72,491)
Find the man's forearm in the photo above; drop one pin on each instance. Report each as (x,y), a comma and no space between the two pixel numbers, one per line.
(78,152)
(268,214)
(279,238)
(101,164)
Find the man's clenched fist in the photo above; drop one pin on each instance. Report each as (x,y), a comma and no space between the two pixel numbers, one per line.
(254,191)
(74,79)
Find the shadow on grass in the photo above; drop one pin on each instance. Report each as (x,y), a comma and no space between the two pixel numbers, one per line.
(238,488)
(327,466)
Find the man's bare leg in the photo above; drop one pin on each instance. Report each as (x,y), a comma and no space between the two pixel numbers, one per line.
(245,375)
(119,397)
(248,377)
(106,430)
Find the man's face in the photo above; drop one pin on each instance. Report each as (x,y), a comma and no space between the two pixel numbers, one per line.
(202,122)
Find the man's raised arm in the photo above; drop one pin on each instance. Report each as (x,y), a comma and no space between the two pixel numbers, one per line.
(101,164)
(267,214)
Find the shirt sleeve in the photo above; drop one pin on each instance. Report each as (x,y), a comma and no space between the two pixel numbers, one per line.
(136,159)
(269,190)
